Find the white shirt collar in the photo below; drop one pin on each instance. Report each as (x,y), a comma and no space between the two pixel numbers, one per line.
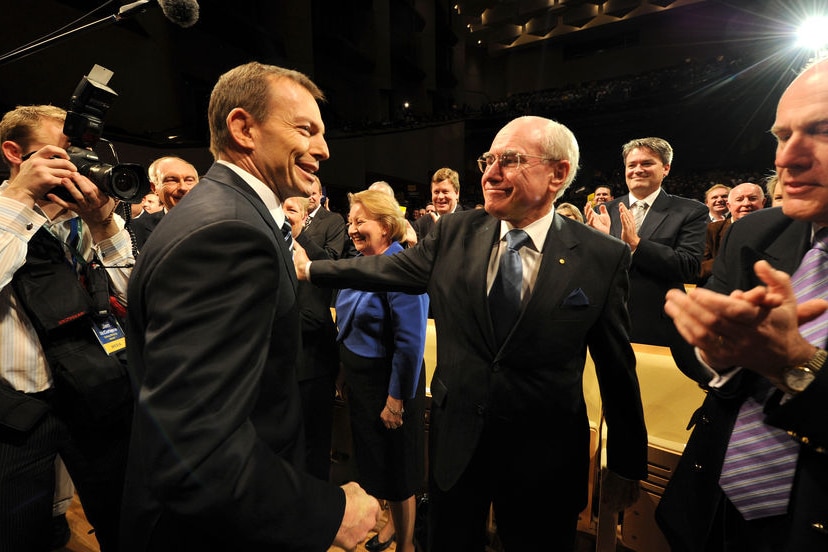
(267,195)
(648,200)
(537,230)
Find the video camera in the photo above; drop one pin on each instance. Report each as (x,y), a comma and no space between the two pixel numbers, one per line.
(92,98)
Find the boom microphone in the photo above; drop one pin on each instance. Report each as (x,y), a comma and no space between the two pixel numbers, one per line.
(183,13)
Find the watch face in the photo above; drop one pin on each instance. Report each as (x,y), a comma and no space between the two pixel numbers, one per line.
(798,378)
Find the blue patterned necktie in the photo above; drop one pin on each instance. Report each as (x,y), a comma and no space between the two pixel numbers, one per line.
(759,466)
(504,297)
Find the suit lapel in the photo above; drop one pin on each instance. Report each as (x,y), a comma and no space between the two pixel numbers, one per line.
(227,177)
(658,211)
(795,236)
(479,243)
(557,274)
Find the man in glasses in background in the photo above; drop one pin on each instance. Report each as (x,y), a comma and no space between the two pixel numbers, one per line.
(508,417)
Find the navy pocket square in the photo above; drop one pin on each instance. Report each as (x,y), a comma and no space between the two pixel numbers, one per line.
(576,298)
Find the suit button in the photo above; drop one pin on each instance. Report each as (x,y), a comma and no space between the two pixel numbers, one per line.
(481,409)
(29,226)
(704,419)
(697,467)
(820,527)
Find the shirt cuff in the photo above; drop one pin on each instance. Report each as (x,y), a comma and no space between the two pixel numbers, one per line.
(717,380)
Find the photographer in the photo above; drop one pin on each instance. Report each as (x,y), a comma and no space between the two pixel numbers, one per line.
(63,384)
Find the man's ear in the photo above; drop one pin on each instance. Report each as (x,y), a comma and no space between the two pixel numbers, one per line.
(559,172)
(240,124)
(13,152)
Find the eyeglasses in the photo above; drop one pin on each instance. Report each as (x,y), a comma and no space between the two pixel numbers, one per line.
(507,160)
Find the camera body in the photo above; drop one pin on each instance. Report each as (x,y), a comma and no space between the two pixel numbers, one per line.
(127,182)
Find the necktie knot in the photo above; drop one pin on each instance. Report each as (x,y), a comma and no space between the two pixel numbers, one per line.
(821,240)
(515,239)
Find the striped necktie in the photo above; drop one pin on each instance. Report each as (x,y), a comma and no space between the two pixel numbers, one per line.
(639,210)
(288,235)
(760,462)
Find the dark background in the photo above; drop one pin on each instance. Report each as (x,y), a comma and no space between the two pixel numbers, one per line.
(704,74)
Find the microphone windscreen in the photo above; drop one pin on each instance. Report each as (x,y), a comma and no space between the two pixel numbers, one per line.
(181,12)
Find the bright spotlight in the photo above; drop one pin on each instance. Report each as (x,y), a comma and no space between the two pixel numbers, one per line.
(811,34)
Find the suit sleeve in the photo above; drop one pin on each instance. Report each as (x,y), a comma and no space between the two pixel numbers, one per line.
(212,309)
(609,345)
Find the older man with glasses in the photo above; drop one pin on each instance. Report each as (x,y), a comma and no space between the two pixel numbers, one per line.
(518,293)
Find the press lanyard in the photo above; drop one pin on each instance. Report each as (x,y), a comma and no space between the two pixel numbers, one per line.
(74,256)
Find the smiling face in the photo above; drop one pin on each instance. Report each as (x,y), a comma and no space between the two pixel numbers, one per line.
(444,196)
(174,178)
(716,201)
(315,196)
(602,195)
(745,199)
(801,131)
(289,144)
(369,236)
(644,172)
(524,193)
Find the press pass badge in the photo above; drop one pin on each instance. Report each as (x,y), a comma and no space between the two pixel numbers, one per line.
(109,334)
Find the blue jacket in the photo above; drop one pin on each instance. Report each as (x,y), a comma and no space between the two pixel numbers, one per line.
(379,324)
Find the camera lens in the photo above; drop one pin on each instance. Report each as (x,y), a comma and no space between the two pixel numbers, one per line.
(125,183)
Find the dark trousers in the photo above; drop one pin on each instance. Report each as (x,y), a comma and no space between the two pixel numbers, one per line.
(528,513)
(95,459)
(317,412)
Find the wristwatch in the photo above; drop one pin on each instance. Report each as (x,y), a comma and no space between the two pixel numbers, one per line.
(797,378)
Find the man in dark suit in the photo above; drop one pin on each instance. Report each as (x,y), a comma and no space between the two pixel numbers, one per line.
(668,245)
(508,418)
(217,456)
(760,341)
(171,178)
(445,196)
(326,229)
(319,365)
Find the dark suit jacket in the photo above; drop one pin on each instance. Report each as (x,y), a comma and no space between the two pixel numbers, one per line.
(526,394)
(329,231)
(715,233)
(424,224)
(686,511)
(668,256)
(213,333)
(320,354)
(143,226)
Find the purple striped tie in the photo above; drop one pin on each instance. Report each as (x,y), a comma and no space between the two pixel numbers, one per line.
(759,466)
